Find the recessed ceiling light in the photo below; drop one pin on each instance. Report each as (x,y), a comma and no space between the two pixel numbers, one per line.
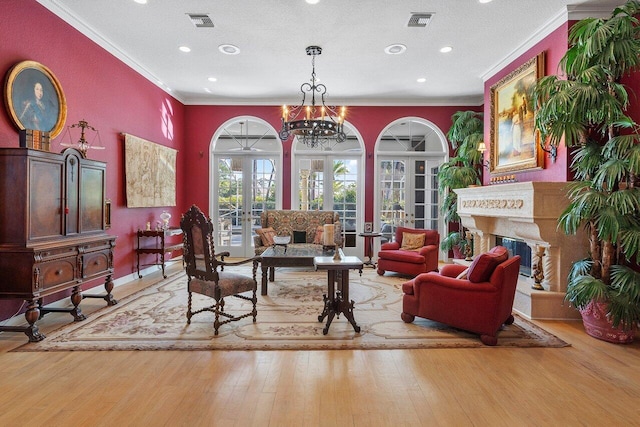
(185,48)
(212,79)
(421,80)
(395,49)
(229,49)
(141,1)
(484,1)
(446,49)
(313,1)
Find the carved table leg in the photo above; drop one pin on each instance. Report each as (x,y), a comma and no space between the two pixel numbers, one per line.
(32,314)
(346,305)
(108,286)
(76,311)
(265,271)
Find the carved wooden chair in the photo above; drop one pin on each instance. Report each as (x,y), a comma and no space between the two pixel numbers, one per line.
(204,276)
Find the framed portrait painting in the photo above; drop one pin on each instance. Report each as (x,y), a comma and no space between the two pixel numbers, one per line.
(514,141)
(34,98)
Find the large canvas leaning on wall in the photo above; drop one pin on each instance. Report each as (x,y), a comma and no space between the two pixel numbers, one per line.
(150,173)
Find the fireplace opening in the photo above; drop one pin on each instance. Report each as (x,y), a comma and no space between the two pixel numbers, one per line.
(517,247)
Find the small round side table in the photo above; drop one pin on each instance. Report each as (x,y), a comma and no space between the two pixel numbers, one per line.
(368,241)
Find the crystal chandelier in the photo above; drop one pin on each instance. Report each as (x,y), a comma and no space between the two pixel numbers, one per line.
(312,123)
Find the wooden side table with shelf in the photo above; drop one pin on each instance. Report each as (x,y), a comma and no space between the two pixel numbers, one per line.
(164,243)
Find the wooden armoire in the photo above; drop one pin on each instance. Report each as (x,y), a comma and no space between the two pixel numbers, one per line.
(52,230)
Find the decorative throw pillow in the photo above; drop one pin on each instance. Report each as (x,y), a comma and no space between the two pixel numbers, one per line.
(319,239)
(482,267)
(266,235)
(299,237)
(463,274)
(412,241)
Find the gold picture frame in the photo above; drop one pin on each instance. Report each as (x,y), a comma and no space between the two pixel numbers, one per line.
(514,143)
(34,98)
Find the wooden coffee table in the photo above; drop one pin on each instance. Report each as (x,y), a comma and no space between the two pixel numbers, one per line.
(337,301)
(287,256)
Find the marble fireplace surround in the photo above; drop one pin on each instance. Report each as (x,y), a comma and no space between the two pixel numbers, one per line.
(527,211)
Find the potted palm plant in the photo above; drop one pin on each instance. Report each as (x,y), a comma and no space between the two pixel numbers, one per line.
(462,170)
(588,109)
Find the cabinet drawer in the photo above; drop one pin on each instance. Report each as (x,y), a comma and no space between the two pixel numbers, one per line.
(95,263)
(57,272)
(56,253)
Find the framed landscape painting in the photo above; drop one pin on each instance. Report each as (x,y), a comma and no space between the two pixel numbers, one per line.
(514,141)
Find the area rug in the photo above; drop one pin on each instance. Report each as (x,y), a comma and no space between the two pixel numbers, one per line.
(155,319)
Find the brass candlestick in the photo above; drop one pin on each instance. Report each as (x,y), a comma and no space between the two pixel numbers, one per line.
(337,256)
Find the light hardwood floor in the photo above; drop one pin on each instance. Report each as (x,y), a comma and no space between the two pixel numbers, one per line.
(591,383)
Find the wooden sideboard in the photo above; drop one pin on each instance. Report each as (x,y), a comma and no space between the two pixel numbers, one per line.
(52,230)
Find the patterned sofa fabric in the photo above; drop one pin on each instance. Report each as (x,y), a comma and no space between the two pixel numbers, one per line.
(286,222)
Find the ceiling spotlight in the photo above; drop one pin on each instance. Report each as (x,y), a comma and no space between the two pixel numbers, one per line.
(421,80)
(212,79)
(229,49)
(185,48)
(313,1)
(484,1)
(395,49)
(446,49)
(141,1)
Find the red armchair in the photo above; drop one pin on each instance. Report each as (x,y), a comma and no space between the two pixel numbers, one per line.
(410,257)
(481,306)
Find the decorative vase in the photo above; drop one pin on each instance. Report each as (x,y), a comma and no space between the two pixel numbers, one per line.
(598,325)
(457,253)
(165,216)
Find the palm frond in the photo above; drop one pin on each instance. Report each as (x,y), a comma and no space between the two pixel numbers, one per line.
(625,296)
(626,202)
(630,244)
(607,224)
(584,288)
(610,174)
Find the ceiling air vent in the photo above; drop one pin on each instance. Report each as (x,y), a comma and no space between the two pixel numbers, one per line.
(201,20)
(419,20)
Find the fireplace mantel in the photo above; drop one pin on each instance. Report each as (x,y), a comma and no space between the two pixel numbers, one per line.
(527,211)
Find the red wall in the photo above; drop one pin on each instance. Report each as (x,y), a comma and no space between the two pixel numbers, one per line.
(554,46)
(112,97)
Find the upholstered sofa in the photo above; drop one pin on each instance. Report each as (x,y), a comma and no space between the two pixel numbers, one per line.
(410,258)
(304,227)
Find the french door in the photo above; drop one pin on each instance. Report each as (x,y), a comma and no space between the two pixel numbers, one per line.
(245,181)
(408,194)
(331,178)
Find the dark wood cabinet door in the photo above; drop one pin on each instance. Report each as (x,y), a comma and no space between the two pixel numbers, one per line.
(45,199)
(92,199)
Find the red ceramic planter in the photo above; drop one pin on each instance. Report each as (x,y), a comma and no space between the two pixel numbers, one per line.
(598,325)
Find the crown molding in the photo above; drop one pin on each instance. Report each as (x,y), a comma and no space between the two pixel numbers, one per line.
(72,19)
(568,13)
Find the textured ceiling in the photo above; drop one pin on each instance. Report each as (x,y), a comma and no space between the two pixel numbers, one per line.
(272,36)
